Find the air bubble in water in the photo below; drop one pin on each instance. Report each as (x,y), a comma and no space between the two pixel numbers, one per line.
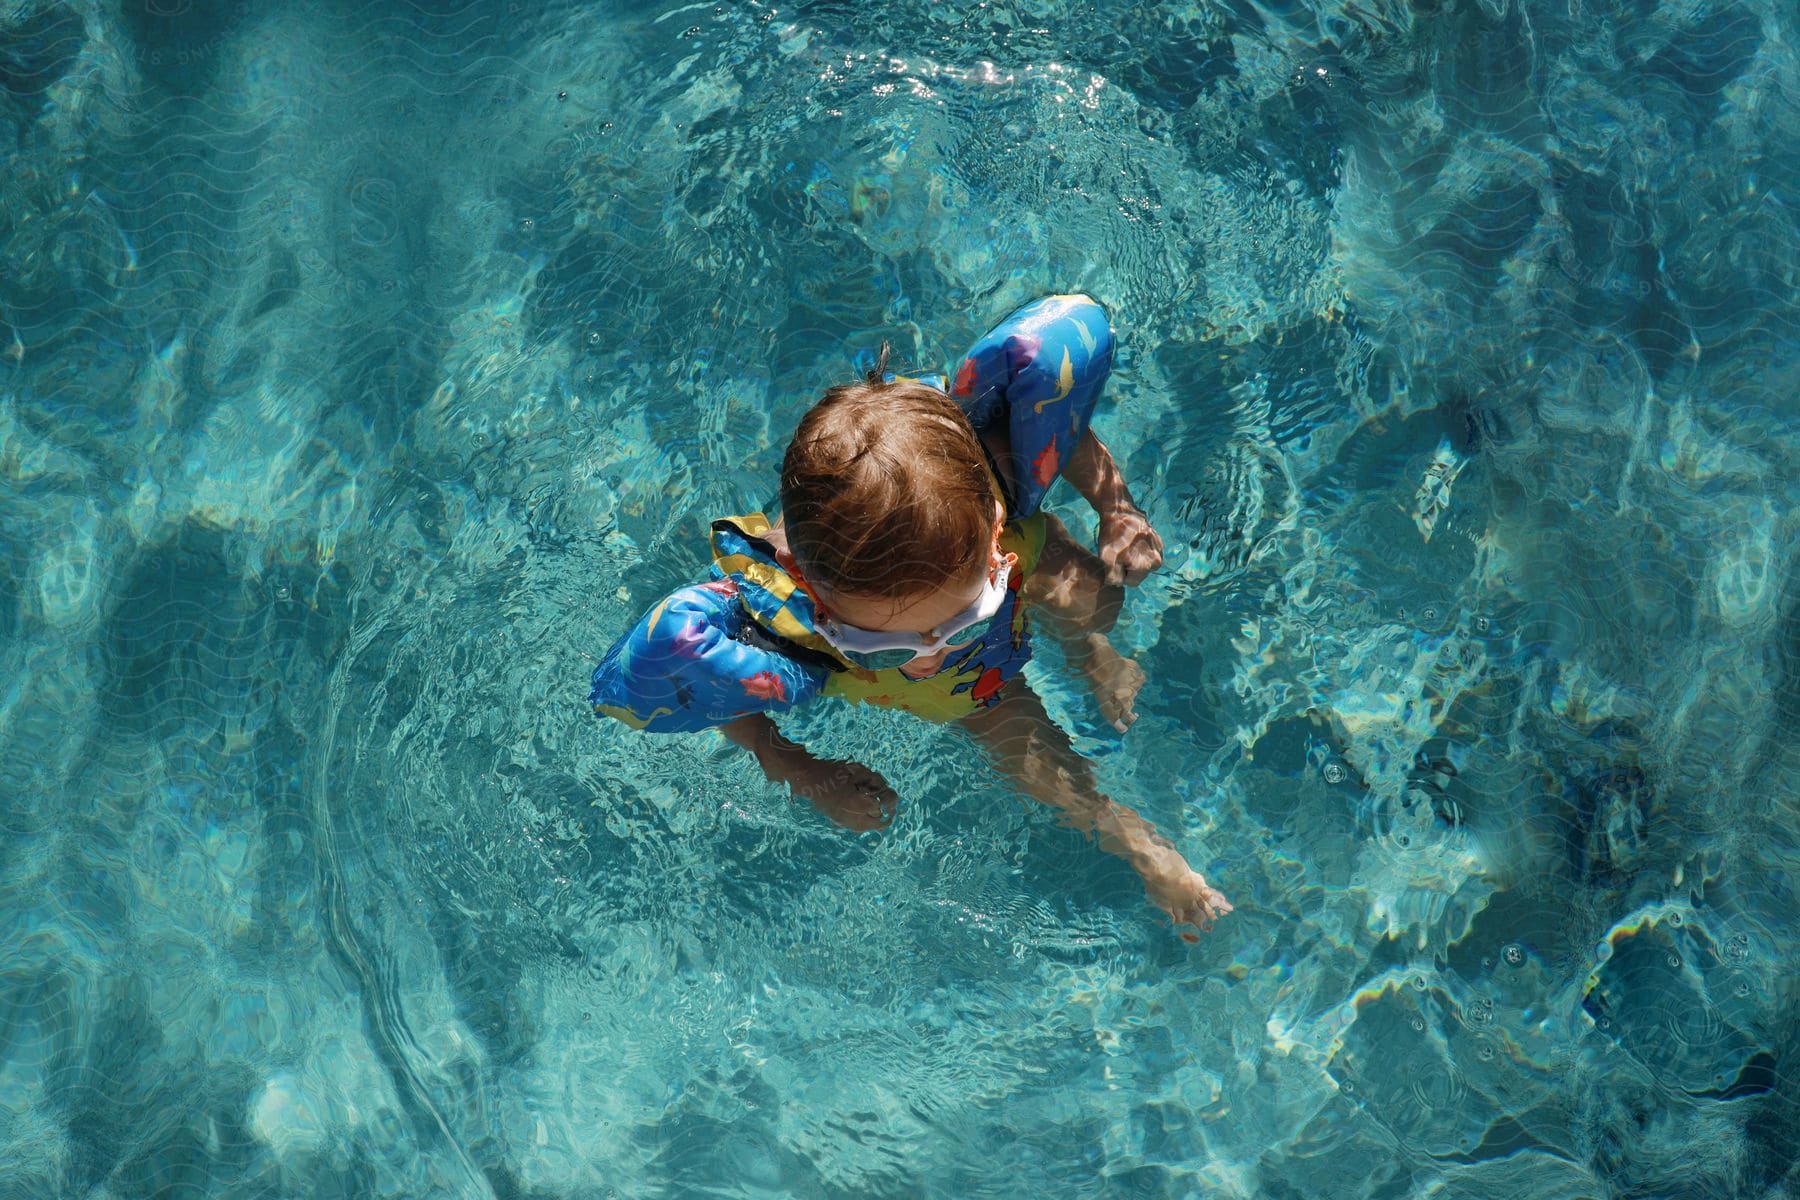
(1334,773)
(1513,954)
(527,225)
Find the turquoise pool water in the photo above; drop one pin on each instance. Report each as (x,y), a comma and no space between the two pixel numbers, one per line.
(364,370)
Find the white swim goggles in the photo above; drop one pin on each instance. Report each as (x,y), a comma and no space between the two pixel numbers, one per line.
(885,649)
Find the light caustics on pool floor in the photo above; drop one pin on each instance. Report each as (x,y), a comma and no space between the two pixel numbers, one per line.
(363,372)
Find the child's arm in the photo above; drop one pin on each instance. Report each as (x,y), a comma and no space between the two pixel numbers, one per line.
(681,671)
(849,793)
(1036,754)
(1129,547)
(1029,386)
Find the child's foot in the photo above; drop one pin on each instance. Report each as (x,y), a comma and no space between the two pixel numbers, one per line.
(1116,681)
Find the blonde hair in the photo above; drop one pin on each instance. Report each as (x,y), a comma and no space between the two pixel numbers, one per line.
(885,489)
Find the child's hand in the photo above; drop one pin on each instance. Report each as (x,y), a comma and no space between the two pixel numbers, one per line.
(849,793)
(1184,894)
(1129,547)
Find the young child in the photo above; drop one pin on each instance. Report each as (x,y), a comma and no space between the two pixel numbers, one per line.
(909,551)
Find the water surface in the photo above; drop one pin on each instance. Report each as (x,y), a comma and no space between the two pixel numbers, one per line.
(365,370)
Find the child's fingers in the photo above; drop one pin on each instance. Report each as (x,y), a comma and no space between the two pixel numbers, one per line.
(1130,562)
(1115,570)
(1148,554)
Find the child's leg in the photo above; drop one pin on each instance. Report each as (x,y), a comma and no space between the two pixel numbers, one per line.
(1036,754)
(1072,601)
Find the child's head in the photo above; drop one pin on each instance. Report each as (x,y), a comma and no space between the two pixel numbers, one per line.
(886,496)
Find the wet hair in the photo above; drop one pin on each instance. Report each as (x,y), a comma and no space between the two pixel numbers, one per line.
(885,490)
